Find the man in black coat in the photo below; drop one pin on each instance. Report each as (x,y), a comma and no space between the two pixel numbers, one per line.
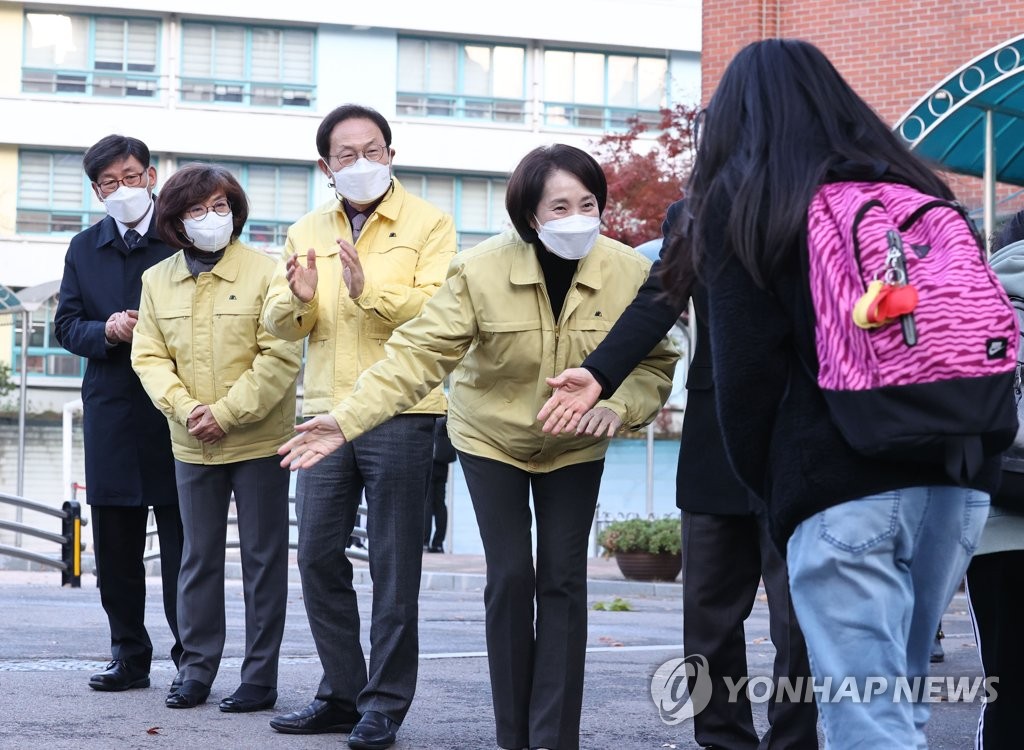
(435,513)
(128,462)
(726,546)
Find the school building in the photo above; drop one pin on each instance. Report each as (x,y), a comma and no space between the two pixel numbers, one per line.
(468,88)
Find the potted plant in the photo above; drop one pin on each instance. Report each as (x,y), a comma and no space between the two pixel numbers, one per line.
(645,549)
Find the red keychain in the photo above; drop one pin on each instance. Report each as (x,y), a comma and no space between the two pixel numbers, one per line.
(883,303)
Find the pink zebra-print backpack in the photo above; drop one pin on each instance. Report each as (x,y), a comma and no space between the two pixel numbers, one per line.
(915,336)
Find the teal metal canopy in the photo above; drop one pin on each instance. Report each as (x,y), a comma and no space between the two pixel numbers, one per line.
(8,299)
(972,123)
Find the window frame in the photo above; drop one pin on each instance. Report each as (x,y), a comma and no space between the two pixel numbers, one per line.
(87,213)
(86,78)
(458,102)
(612,117)
(49,350)
(247,86)
(466,237)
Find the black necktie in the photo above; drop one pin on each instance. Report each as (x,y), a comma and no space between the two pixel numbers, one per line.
(132,238)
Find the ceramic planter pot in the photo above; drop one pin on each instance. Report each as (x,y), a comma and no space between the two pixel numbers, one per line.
(648,566)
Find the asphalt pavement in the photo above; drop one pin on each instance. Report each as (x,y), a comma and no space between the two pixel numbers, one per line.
(53,638)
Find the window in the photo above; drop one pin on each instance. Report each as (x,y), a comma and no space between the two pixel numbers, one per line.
(45,355)
(256,66)
(438,78)
(278,196)
(54,195)
(601,91)
(476,203)
(91,55)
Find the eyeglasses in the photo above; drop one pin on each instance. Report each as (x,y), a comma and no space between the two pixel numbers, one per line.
(129,180)
(348,157)
(198,213)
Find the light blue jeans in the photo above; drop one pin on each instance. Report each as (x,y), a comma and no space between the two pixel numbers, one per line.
(870,579)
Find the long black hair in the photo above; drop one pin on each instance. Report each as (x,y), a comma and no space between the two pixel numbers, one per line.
(781,118)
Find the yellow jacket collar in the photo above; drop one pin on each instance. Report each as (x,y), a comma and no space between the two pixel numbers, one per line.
(389,208)
(526,268)
(226,268)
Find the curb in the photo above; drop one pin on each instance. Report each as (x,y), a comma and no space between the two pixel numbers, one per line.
(430,580)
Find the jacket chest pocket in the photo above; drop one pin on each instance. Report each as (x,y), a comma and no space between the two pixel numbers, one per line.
(175,325)
(585,333)
(235,328)
(392,264)
(515,346)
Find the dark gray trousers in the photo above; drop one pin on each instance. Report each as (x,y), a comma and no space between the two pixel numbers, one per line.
(392,465)
(260,489)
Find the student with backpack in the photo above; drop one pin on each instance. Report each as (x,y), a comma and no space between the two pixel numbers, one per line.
(873,481)
(877,542)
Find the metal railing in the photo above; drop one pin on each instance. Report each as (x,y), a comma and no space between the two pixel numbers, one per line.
(70,538)
(354,551)
(72,546)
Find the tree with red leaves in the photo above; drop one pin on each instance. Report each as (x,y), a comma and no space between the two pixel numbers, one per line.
(644,177)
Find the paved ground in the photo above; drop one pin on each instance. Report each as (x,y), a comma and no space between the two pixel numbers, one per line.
(51,639)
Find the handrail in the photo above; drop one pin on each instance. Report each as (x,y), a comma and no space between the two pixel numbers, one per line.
(23,528)
(32,556)
(70,538)
(30,505)
(353,552)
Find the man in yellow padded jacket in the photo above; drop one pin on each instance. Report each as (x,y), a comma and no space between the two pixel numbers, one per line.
(354,270)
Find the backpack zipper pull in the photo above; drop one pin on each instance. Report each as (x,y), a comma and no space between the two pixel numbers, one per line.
(897,274)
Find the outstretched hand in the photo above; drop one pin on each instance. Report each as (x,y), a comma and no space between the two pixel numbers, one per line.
(576,392)
(317,438)
(599,421)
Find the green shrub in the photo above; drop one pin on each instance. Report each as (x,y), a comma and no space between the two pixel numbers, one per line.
(641,535)
(617,604)
(7,383)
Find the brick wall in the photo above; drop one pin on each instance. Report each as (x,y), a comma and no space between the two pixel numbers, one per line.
(891,51)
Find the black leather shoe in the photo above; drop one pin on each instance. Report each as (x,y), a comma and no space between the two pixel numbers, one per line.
(249,698)
(176,683)
(119,675)
(375,731)
(191,694)
(319,717)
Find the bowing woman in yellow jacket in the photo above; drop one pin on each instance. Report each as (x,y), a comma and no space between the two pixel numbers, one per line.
(227,387)
(513,311)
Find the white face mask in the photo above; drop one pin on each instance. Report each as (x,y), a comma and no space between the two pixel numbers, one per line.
(210,233)
(571,237)
(363,182)
(128,204)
